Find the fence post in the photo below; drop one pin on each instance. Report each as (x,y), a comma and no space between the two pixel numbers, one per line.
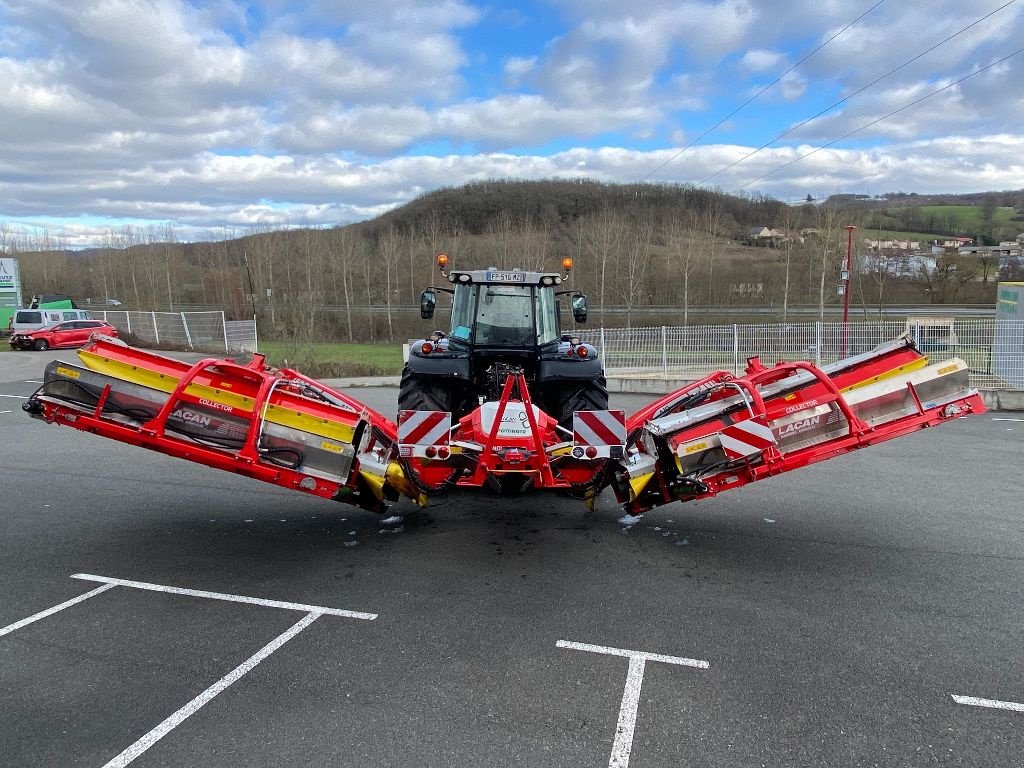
(156,332)
(735,349)
(664,353)
(128,320)
(184,324)
(604,354)
(817,343)
(224,325)
(255,337)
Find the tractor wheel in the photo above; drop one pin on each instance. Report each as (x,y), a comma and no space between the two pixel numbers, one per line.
(430,393)
(41,345)
(569,396)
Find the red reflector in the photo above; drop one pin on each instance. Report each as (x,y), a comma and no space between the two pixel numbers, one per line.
(431,451)
(443,452)
(581,351)
(426,347)
(591,452)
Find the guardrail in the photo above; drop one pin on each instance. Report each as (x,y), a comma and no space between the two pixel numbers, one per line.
(993,349)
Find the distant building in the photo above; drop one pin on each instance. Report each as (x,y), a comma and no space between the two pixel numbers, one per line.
(953,242)
(893,245)
(899,264)
(765,236)
(1004,252)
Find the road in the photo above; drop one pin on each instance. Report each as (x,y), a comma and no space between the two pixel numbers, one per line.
(838,609)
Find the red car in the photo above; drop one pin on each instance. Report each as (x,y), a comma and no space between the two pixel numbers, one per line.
(70,333)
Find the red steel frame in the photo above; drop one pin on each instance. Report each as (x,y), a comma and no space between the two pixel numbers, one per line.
(244,461)
(489,454)
(773,461)
(534,460)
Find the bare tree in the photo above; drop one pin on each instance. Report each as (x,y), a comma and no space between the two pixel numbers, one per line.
(790,221)
(684,243)
(828,226)
(879,267)
(637,259)
(712,219)
(603,235)
(501,236)
(534,246)
(388,249)
(344,250)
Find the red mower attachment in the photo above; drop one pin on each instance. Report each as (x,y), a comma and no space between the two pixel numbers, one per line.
(724,432)
(508,445)
(718,433)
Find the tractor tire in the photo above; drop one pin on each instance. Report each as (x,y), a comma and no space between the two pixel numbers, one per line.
(432,393)
(41,345)
(570,396)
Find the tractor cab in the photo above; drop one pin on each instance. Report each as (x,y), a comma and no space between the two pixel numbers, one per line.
(504,308)
(503,322)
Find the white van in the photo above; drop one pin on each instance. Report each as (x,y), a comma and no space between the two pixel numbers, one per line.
(26,320)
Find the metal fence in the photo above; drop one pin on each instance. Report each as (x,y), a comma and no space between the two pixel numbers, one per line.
(993,349)
(191,330)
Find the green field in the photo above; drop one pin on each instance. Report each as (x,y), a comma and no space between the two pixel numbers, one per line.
(327,360)
(943,221)
(967,216)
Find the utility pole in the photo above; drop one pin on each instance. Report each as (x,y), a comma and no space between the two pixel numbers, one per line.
(846,286)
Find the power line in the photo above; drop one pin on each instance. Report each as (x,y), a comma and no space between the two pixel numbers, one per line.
(770,85)
(847,98)
(880,119)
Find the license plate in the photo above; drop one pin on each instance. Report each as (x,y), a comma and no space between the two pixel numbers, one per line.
(506,277)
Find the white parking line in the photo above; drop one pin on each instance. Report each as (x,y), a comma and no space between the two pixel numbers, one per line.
(5,411)
(318,609)
(991,703)
(197,703)
(50,611)
(32,381)
(623,744)
(16,397)
(998,419)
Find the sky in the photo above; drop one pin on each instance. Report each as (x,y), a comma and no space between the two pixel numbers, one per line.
(219,117)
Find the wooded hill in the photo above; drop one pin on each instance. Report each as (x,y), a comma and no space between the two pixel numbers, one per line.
(655,253)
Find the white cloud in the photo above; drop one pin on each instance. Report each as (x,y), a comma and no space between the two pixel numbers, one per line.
(760,60)
(516,67)
(793,86)
(220,113)
(213,192)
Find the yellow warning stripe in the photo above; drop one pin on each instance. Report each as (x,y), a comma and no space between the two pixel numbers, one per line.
(913,365)
(276,414)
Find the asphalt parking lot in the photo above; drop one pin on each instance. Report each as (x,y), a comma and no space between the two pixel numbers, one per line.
(827,617)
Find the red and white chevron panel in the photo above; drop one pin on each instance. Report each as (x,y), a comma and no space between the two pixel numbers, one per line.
(602,430)
(746,438)
(419,430)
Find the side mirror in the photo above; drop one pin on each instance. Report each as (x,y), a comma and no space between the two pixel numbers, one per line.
(428,300)
(579,308)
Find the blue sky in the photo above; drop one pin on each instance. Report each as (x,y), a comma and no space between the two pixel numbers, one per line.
(219,116)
